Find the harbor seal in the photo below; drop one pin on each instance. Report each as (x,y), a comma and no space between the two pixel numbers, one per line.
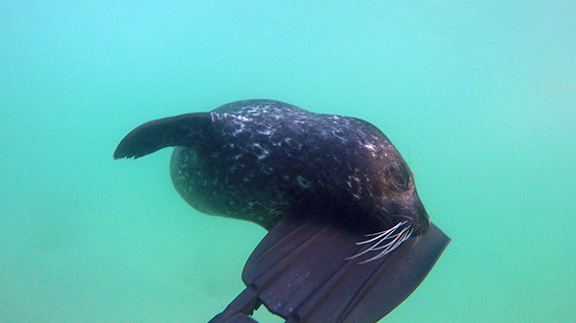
(332,190)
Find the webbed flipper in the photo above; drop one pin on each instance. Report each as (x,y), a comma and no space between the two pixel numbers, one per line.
(300,271)
(240,309)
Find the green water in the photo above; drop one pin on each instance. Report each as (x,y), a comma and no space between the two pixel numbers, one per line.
(479,97)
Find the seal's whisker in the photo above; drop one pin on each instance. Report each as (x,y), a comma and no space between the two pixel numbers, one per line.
(375,246)
(385,241)
(390,245)
(397,237)
(406,233)
(386,231)
(380,236)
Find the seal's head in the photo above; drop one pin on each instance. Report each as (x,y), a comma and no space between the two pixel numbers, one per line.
(397,195)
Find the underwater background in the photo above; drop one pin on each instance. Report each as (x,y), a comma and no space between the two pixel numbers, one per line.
(478,96)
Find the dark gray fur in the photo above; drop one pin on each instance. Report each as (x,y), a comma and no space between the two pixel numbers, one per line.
(260,157)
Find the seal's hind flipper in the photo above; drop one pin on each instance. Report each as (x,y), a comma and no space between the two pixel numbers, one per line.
(182,130)
(300,271)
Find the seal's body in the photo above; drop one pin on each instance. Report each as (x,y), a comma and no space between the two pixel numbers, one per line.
(261,157)
(321,183)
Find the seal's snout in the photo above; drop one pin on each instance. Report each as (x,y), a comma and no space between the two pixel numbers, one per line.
(421,220)
(412,211)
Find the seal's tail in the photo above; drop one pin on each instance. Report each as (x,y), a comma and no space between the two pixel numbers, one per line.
(184,130)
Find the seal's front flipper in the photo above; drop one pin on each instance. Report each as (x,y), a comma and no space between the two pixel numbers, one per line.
(302,271)
(183,130)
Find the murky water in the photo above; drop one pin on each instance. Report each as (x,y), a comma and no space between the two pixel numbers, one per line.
(478,96)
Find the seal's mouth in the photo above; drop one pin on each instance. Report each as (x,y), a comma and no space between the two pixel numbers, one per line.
(407,221)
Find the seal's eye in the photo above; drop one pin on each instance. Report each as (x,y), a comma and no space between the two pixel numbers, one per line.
(398,178)
(400,181)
